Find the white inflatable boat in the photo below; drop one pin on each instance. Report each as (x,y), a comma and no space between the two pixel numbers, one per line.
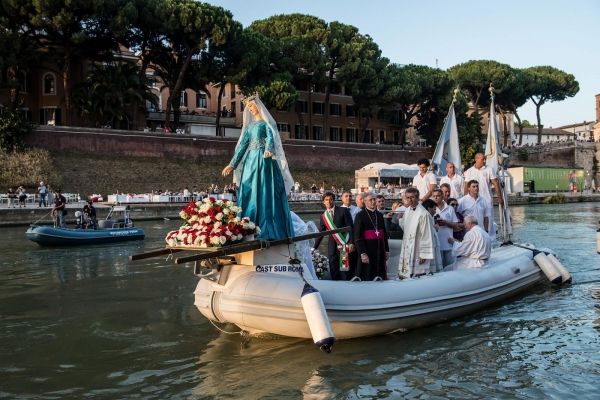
(261,293)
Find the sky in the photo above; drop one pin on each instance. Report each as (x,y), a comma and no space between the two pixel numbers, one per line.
(524,33)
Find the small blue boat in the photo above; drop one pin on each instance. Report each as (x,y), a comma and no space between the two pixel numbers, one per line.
(109,230)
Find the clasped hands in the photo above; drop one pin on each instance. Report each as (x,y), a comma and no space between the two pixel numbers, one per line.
(364,257)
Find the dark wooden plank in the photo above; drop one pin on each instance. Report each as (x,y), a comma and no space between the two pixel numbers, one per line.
(255,245)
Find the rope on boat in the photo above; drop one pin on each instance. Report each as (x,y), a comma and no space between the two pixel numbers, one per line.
(223,330)
(45,215)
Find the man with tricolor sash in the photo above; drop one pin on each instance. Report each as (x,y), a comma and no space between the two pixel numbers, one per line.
(341,244)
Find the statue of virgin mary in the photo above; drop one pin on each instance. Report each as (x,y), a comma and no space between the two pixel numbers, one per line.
(262,173)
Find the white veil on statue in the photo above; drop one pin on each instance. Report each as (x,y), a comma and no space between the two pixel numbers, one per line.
(278,153)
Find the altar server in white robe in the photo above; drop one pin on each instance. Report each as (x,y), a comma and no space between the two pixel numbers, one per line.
(475,249)
(420,249)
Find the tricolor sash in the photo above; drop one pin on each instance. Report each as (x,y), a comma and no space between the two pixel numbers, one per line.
(341,238)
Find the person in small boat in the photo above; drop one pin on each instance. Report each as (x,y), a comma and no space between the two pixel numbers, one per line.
(445,188)
(89,215)
(458,234)
(78,219)
(447,222)
(486,178)
(420,251)
(476,205)
(475,249)
(59,209)
(347,203)
(371,240)
(425,181)
(262,173)
(454,180)
(340,245)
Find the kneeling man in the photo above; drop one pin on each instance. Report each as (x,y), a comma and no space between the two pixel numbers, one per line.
(475,249)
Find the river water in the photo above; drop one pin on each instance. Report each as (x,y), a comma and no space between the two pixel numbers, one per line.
(84,323)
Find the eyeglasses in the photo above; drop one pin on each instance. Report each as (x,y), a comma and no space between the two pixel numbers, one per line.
(454,204)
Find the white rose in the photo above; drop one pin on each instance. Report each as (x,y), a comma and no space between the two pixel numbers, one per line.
(218,224)
(251,225)
(197,241)
(214,240)
(239,236)
(219,216)
(194,218)
(223,239)
(207,220)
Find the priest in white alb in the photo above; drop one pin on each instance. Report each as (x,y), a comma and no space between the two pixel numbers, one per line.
(420,250)
(475,249)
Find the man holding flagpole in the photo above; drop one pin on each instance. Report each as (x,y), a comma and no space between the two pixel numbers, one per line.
(341,244)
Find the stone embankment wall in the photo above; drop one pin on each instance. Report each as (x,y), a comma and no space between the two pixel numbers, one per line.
(299,153)
(573,154)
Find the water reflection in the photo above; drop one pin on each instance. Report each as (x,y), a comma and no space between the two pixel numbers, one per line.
(84,323)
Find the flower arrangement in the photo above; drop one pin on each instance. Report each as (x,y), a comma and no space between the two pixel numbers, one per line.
(321,263)
(211,223)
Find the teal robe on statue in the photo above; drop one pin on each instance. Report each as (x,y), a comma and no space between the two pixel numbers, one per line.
(261,191)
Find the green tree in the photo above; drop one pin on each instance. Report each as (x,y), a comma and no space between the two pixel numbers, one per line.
(17,50)
(474,78)
(510,98)
(341,44)
(423,92)
(190,28)
(366,76)
(13,128)
(111,94)
(298,42)
(548,84)
(138,26)
(69,30)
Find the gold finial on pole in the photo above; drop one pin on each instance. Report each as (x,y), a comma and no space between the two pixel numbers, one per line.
(456,92)
(491,89)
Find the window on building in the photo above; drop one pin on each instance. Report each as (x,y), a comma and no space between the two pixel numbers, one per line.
(351,135)
(317,133)
(183,101)
(241,106)
(50,116)
(335,109)
(232,108)
(368,138)
(200,100)
(232,90)
(283,127)
(318,107)
(335,134)
(49,84)
(23,78)
(381,136)
(396,137)
(300,132)
(351,111)
(301,106)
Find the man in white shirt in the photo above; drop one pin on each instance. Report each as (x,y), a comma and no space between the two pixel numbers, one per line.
(486,178)
(446,220)
(475,205)
(347,203)
(425,180)
(455,181)
(475,249)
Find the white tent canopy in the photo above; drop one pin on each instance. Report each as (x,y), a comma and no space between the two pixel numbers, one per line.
(379,172)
